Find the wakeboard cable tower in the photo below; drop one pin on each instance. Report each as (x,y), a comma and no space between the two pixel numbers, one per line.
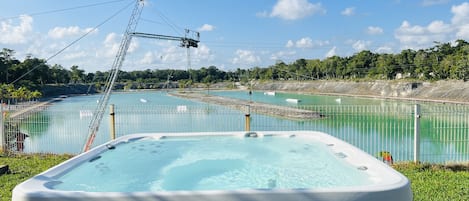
(116,65)
(186,42)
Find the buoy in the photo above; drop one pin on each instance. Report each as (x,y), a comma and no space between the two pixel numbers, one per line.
(181,108)
(143,100)
(292,100)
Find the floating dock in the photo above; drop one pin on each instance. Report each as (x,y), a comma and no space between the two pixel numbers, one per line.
(254,107)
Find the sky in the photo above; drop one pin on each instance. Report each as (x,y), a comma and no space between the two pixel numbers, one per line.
(233,33)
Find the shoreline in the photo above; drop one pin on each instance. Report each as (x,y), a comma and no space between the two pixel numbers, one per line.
(392,98)
(444,92)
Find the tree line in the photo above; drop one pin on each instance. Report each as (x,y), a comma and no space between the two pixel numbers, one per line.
(440,62)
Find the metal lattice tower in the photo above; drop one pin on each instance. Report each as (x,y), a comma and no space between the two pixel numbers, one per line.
(116,66)
(190,39)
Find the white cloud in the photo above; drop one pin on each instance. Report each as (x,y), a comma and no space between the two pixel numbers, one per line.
(463,32)
(62,32)
(173,54)
(374,30)
(417,37)
(110,46)
(203,53)
(290,44)
(348,11)
(460,14)
(282,55)
(460,20)
(134,45)
(74,55)
(168,54)
(16,34)
(305,42)
(206,27)
(438,27)
(384,49)
(148,58)
(361,45)
(332,52)
(246,57)
(433,2)
(295,9)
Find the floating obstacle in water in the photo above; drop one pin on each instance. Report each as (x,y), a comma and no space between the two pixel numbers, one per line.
(269,93)
(181,108)
(293,100)
(143,100)
(85,113)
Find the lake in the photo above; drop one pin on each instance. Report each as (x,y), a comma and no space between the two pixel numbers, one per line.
(371,124)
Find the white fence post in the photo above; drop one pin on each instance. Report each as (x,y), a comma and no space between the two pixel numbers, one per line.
(416,133)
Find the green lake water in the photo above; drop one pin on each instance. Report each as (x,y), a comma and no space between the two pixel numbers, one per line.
(371,124)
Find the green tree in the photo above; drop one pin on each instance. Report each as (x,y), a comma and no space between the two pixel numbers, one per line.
(385,65)
(76,75)
(405,62)
(423,64)
(6,62)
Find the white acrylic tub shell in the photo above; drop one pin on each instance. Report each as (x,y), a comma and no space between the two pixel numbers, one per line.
(389,185)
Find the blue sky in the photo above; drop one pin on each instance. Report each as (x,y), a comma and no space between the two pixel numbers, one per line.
(233,33)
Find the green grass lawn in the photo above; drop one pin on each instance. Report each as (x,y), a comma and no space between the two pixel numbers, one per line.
(429,182)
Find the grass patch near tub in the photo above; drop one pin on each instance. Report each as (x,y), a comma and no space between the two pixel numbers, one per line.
(428,181)
(436,181)
(22,167)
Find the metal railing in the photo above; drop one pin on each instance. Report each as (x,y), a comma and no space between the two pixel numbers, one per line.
(437,134)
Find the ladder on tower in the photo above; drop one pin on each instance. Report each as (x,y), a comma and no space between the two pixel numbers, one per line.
(116,66)
(191,39)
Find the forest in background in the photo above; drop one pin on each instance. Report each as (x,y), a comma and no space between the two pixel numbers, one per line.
(26,79)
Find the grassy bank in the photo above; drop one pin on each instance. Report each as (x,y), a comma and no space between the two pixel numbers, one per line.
(429,182)
(24,167)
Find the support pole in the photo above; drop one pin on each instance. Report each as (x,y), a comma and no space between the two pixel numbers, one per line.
(416,133)
(2,130)
(112,122)
(247,125)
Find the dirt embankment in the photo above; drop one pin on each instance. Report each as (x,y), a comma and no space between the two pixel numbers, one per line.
(249,106)
(438,91)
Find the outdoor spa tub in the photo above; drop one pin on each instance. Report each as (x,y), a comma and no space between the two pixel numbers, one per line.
(228,166)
